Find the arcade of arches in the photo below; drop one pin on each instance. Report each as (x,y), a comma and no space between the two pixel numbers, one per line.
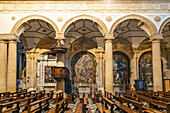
(109,51)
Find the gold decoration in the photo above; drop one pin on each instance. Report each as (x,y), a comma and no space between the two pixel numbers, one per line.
(60,19)
(109,18)
(13,18)
(157,18)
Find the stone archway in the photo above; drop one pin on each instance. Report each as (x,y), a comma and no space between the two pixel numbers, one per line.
(17,27)
(146,24)
(164,24)
(83,68)
(101,24)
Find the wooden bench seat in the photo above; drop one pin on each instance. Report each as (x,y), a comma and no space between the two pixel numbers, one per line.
(101,107)
(155,103)
(41,104)
(79,108)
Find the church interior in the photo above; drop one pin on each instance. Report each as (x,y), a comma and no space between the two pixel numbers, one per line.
(92,56)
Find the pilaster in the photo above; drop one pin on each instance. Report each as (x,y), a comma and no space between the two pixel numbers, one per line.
(3,65)
(12,66)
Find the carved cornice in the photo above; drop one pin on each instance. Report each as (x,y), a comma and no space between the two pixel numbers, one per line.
(109,36)
(156,36)
(133,6)
(60,36)
(9,37)
(100,50)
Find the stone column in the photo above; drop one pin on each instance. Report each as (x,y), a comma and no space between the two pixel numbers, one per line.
(100,69)
(156,60)
(134,70)
(3,66)
(109,63)
(12,66)
(61,63)
(31,68)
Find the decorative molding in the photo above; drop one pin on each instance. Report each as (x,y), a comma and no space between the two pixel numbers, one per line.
(60,36)
(13,18)
(148,24)
(108,18)
(156,36)
(101,26)
(30,17)
(9,37)
(164,24)
(108,36)
(60,19)
(126,6)
(100,50)
(157,18)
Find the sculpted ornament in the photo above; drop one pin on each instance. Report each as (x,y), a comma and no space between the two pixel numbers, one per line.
(157,18)
(108,18)
(60,19)
(13,18)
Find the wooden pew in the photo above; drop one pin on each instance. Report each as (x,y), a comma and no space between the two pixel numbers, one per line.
(15,109)
(153,103)
(4,95)
(108,102)
(144,107)
(84,104)
(60,106)
(79,108)
(41,104)
(138,105)
(120,105)
(101,108)
(59,96)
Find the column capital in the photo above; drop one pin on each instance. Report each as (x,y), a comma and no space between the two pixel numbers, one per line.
(100,50)
(60,36)
(156,36)
(108,36)
(9,37)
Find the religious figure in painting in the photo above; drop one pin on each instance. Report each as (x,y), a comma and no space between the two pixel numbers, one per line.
(145,70)
(83,68)
(120,70)
(48,77)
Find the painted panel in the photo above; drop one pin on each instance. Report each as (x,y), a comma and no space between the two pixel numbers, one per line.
(120,68)
(48,77)
(145,68)
(83,68)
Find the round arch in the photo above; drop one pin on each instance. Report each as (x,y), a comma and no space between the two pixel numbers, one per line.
(164,24)
(91,59)
(102,26)
(15,30)
(149,27)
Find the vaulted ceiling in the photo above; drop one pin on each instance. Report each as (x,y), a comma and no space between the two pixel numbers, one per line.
(130,31)
(37,33)
(84,29)
(166,34)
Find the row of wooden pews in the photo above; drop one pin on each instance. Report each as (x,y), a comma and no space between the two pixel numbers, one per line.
(27,102)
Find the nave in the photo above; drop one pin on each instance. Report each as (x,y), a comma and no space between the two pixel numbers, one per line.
(94,101)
